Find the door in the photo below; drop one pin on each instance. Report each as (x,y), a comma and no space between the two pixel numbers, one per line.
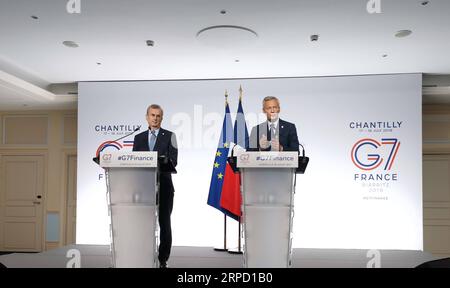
(21,203)
(71,203)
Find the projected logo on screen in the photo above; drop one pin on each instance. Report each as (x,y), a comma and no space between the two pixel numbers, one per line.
(368,154)
(115,145)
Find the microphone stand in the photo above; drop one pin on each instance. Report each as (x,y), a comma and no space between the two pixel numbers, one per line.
(232,160)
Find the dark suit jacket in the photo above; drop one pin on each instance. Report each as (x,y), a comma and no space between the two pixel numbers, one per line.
(287,136)
(166,144)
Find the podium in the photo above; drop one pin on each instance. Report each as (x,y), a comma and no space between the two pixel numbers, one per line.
(132,186)
(267,183)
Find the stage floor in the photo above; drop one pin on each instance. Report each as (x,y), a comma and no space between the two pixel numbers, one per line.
(98,256)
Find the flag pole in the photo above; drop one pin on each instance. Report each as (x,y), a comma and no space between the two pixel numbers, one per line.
(224,236)
(224,215)
(239,250)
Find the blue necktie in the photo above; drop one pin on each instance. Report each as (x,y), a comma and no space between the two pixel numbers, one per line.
(152,142)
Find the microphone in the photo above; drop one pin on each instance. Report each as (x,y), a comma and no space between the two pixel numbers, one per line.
(302,161)
(232,160)
(232,150)
(96,159)
(303,149)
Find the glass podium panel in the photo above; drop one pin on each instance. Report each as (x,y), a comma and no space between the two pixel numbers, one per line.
(132,185)
(267,196)
(267,237)
(267,186)
(134,235)
(133,210)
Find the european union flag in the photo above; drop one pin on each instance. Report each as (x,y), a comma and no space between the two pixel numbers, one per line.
(220,163)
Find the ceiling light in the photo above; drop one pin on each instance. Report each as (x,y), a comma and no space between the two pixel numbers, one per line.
(403,33)
(70,44)
(34,17)
(223,11)
(236,60)
(150,43)
(314,37)
(384,55)
(99,63)
(227,37)
(226,27)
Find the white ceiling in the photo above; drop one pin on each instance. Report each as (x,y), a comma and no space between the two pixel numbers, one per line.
(114,32)
(12,101)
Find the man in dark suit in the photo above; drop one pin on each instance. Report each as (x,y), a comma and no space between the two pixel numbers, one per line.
(164,142)
(274,134)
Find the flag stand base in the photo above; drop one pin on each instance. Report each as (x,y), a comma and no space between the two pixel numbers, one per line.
(235,251)
(221,249)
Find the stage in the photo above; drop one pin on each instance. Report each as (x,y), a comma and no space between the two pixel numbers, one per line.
(98,256)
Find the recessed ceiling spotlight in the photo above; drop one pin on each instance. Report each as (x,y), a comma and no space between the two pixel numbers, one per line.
(314,37)
(70,44)
(403,33)
(150,43)
(423,3)
(223,11)
(34,17)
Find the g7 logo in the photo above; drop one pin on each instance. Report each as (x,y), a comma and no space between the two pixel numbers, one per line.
(364,159)
(244,157)
(107,157)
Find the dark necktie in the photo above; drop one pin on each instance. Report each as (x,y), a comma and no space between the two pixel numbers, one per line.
(273,133)
(152,140)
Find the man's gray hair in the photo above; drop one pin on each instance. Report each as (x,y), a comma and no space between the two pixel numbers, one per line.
(269,98)
(155,106)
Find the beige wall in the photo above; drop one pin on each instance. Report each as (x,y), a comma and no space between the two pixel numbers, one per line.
(436,179)
(436,129)
(53,134)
